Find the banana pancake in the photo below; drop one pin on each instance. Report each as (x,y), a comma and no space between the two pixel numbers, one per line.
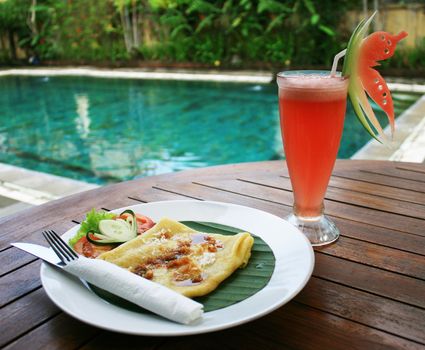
(190,262)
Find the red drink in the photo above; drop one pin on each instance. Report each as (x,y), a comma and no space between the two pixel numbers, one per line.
(312,109)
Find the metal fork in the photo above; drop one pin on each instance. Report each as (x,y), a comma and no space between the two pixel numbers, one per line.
(62,250)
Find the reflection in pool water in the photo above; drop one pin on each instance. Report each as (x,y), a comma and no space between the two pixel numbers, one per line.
(108,130)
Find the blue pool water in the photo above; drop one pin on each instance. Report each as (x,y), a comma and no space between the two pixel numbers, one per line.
(109,130)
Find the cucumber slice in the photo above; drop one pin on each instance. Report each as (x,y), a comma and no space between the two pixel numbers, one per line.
(117,230)
(114,230)
(97,238)
(131,219)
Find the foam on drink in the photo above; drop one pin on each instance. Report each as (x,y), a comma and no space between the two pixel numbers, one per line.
(312,87)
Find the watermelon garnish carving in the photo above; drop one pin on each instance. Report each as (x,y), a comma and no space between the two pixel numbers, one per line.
(361,56)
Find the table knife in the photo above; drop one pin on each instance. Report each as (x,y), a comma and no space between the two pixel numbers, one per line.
(44,253)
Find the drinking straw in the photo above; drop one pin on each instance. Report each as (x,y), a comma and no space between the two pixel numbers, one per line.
(337,57)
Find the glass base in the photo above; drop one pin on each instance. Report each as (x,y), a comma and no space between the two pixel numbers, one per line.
(319,230)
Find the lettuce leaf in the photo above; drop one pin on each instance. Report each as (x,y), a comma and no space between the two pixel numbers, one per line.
(90,223)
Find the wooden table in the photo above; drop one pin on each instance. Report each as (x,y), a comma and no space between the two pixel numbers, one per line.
(367,290)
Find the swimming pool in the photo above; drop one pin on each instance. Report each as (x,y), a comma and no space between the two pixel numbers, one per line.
(108,130)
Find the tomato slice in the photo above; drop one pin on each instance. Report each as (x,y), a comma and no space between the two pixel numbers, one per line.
(90,250)
(378,46)
(144,223)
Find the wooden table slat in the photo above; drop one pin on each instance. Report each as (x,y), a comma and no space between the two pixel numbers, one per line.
(376,172)
(350,195)
(398,173)
(107,340)
(388,259)
(23,281)
(412,167)
(13,258)
(342,210)
(213,195)
(382,179)
(382,236)
(370,279)
(296,326)
(343,207)
(60,332)
(394,317)
(25,314)
(355,181)
(378,190)
(374,234)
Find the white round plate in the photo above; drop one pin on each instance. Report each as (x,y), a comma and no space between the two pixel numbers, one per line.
(294,265)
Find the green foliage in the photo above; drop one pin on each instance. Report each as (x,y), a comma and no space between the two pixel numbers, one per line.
(89,30)
(13,14)
(231,33)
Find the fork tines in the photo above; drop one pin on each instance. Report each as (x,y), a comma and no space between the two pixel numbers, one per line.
(62,250)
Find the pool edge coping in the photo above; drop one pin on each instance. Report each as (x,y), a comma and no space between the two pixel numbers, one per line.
(35,187)
(121,73)
(259,77)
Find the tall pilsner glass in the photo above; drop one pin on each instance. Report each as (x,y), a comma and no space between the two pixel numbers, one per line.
(312,107)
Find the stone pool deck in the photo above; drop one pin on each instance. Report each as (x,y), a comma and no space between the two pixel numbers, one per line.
(21,188)
(408,144)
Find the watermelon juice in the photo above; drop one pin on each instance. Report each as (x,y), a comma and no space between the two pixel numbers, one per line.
(312,108)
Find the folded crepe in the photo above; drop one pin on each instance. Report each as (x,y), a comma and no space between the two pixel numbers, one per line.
(189,262)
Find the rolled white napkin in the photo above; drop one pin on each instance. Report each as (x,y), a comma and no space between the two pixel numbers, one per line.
(147,294)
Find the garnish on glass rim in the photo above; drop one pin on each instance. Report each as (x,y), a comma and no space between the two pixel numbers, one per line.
(361,56)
